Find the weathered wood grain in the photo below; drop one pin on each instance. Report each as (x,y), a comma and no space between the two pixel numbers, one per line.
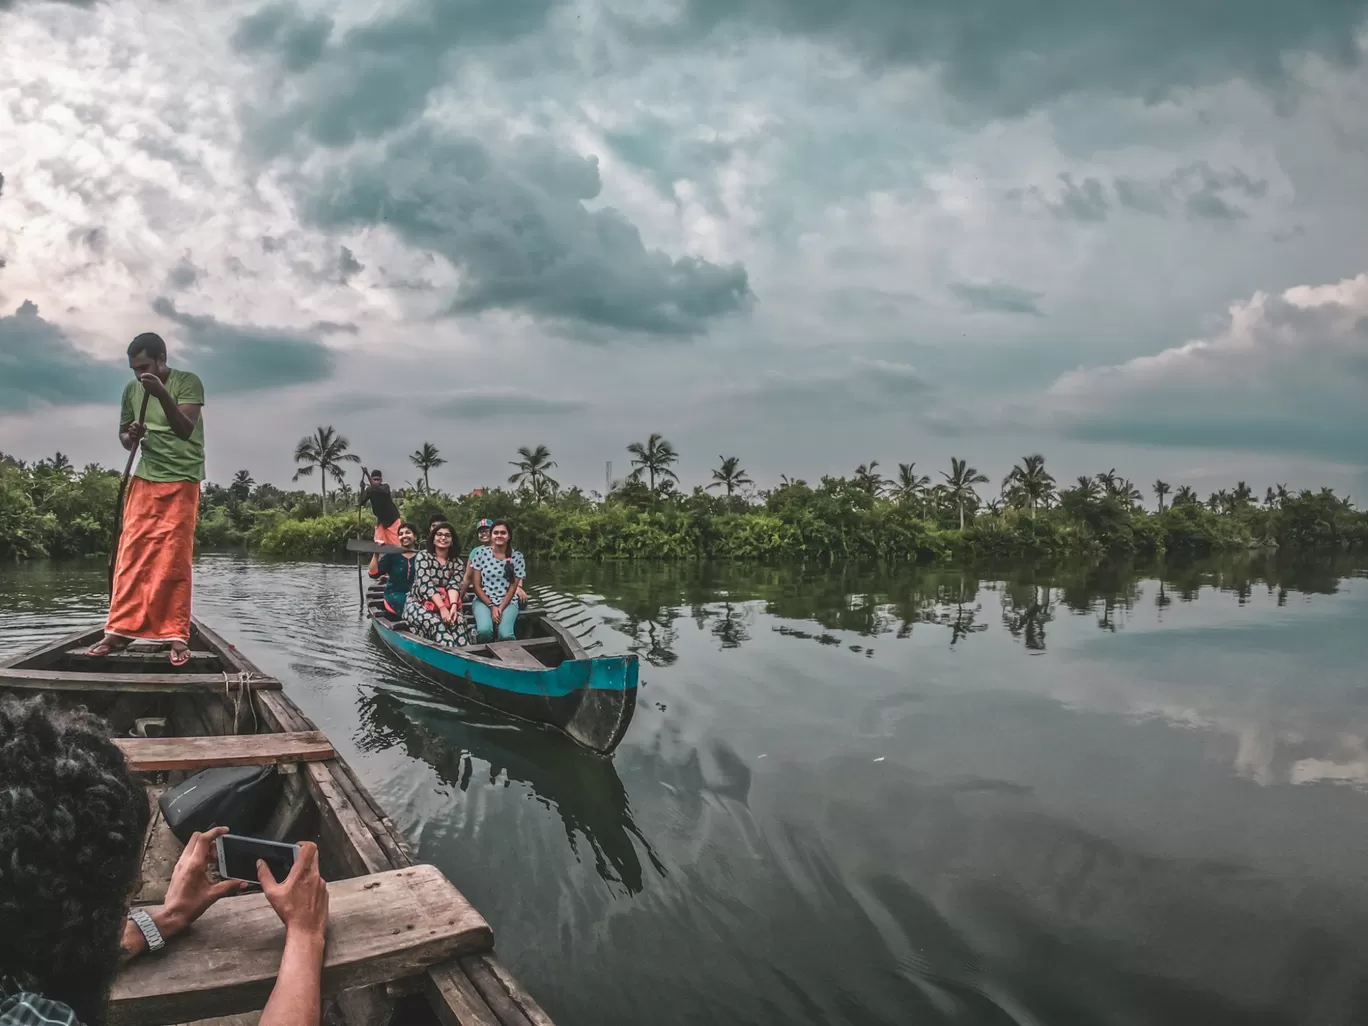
(62,680)
(379,927)
(160,754)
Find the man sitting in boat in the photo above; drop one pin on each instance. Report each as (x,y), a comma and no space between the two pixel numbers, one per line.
(151,596)
(397,569)
(433,608)
(377,493)
(499,573)
(72,822)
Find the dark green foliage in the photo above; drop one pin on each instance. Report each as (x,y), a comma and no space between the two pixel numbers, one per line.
(48,508)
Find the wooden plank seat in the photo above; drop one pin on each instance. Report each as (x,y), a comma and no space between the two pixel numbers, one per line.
(513,653)
(168,683)
(381,927)
(140,654)
(160,754)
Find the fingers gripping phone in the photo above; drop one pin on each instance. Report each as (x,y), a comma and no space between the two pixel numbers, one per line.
(237,857)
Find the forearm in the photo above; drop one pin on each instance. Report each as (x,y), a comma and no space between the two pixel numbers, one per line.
(133,943)
(296,998)
(180,424)
(511,593)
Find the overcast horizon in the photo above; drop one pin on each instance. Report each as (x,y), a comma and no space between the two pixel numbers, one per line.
(1126,236)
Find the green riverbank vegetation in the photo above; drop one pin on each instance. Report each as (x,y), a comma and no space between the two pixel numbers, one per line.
(51,508)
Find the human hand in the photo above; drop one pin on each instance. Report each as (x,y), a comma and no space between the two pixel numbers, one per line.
(154,385)
(191,890)
(497,613)
(137,430)
(301,900)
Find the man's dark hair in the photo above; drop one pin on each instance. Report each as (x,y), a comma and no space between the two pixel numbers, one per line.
(148,342)
(375,473)
(72,820)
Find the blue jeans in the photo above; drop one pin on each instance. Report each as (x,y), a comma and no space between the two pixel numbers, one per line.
(484,621)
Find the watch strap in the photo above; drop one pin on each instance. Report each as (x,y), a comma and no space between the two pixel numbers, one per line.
(155,941)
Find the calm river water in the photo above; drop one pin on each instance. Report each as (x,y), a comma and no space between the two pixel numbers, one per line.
(925,797)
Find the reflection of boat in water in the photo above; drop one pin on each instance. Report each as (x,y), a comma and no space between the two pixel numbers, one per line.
(585,790)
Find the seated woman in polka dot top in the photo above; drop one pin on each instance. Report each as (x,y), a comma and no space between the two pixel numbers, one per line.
(499,572)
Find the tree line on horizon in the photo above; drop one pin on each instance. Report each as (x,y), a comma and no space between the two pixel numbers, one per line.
(49,508)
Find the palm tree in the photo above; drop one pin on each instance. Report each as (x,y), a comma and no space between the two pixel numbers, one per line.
(426,459)
(242,484)
(1184,496)
(532,468)
(1242,496)
(867,478)
(653,459)
(1108,482)
(910,485)
(1161,488)
(1128,493)
(729,475)
(959,484)
(1086,488)
(1030,481)
(325,450)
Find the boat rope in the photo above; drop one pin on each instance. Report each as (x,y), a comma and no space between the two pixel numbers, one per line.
(234,690)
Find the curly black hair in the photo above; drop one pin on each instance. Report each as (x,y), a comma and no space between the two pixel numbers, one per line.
(72,820)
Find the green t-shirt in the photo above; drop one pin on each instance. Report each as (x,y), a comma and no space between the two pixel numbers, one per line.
(166,457)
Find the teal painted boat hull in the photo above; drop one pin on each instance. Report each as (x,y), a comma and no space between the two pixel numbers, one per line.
(589,699)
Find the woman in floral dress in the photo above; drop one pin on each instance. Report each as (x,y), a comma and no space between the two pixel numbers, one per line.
(433,608)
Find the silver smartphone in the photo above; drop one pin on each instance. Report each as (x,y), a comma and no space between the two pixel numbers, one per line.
(237,857)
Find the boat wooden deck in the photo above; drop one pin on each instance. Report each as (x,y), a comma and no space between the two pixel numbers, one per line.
(404,946)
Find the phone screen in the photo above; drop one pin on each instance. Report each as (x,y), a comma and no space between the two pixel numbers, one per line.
(238,857)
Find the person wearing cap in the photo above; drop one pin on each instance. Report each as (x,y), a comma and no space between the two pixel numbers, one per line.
(482,533)
(151,595)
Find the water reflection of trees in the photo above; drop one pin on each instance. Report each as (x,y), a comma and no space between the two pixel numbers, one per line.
(650,602)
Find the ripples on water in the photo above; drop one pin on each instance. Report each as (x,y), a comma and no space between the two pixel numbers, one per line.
(913,798)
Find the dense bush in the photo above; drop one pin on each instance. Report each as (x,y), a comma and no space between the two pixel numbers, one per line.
(50,509)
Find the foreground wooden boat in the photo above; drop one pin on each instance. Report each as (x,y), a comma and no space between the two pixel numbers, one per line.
(544,676)
(404,946)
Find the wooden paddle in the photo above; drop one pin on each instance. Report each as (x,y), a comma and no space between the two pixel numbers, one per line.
(123,491)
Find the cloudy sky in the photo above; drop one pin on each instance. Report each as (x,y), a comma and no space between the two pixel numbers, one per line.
(1128,235)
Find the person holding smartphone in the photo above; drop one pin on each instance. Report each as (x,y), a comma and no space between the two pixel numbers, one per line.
(72,822)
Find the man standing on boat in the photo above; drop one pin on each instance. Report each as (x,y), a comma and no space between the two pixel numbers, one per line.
(151,593)
(377,493)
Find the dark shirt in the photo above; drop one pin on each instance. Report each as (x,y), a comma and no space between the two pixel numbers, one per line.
(400,571)
(28,1009)
(381,503)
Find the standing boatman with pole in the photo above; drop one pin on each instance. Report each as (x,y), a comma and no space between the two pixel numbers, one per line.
(377,493)
(150,596)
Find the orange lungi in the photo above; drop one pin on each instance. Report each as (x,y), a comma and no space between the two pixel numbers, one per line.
(387,535)
(152,574)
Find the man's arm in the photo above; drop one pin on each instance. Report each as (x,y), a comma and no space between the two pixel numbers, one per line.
(301,902)
(182,418)
(187,896)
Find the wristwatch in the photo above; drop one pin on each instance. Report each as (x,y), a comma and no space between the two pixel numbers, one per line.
(143,922)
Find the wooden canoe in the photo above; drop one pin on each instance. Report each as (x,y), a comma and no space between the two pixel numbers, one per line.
(544,676)
(404,945)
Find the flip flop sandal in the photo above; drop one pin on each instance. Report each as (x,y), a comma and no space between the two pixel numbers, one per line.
(180,656)
(104,648)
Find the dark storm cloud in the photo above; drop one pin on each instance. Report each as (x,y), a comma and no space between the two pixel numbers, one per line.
(348,265)
(513,221)
(1076,201)
(376,76)
(1005,57)
(183,275)
(995,297)
(39,365)
(1196,190)
(486,405)
(241,358)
